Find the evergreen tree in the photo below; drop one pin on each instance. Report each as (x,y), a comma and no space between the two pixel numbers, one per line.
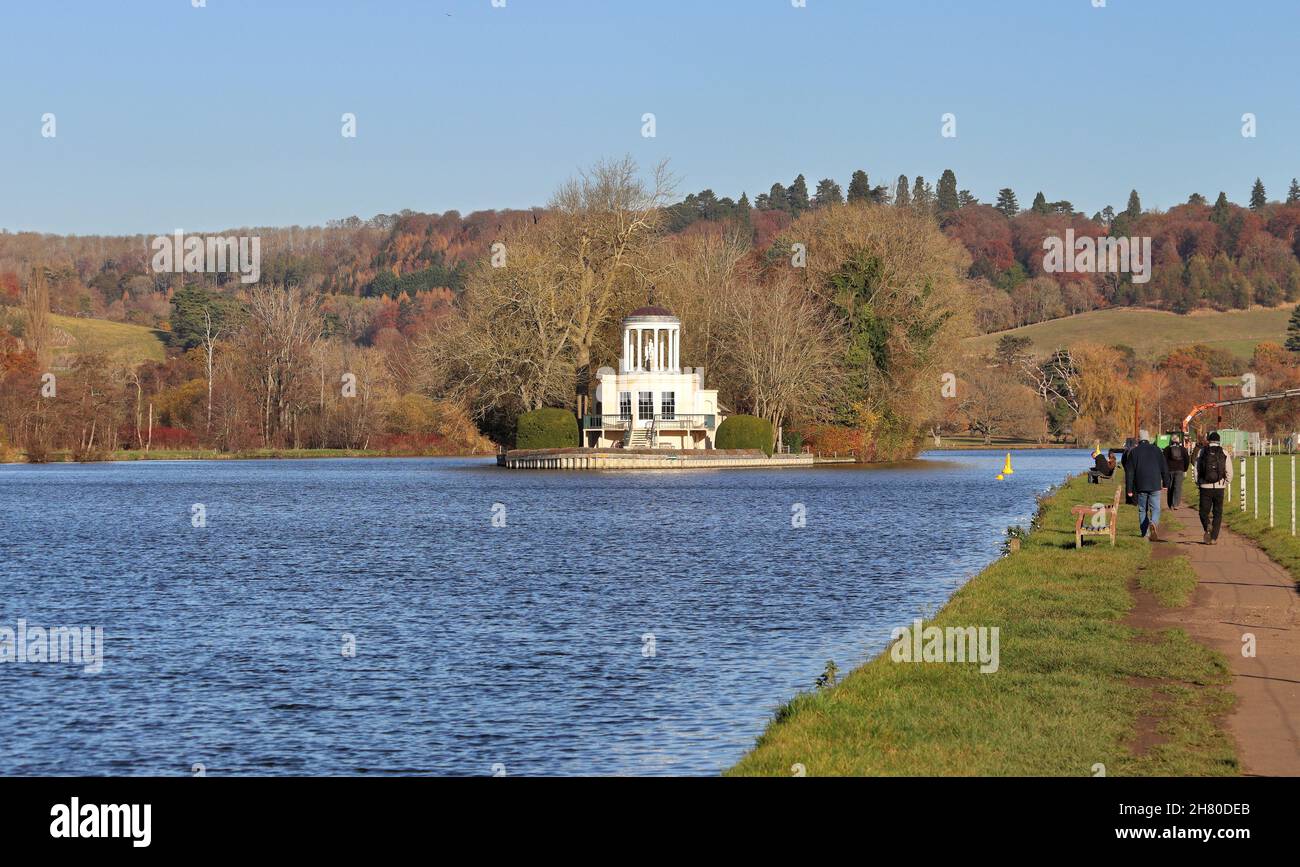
(1040,204)
(965,199)
(799,196)
(1197,199)
(188,324)
(742,210)
(859,187)
(1258,198)
(947,200)
(1221,210)
(1134,209)
(778,199)
(901,197)
(1007,204)
(1293,330)
(828,193)
(922,194)
(1293,194)
(1108,215)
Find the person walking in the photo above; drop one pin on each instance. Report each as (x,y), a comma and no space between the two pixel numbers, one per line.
(1178,461)
(1146,476)
(1213,475)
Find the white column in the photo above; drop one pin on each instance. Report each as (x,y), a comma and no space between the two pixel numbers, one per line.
(637,354)
(677,349)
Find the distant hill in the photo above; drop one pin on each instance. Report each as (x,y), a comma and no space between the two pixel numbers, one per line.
(116,340)
(1153,332)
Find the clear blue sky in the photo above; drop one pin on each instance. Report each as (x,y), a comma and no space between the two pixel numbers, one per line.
(170,116)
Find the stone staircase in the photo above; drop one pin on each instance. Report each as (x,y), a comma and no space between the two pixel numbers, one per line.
(637,439)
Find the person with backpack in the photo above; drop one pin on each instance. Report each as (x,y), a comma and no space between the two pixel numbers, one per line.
(1146,476)
(1213,475)
(1178,461)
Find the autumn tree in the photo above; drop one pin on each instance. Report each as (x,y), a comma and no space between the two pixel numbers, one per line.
(1106,396)
(896,286)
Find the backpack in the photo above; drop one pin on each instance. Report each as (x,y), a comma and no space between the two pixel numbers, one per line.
(1213,469)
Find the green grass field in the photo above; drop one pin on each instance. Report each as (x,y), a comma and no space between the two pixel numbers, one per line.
(1277,540)
(1152,332)
(116,340)
(1074,688)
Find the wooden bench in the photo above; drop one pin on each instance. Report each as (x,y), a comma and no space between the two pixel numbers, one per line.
(1083,525)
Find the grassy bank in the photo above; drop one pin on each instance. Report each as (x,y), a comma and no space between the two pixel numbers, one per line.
(1276,540)
(977,442)
(1076,686)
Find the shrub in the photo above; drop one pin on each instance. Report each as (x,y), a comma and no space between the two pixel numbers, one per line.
(829,439)
(745,432)
(548,428)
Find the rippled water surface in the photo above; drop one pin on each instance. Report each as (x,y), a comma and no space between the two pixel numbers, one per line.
(523,646)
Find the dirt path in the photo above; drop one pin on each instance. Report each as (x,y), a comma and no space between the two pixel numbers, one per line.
(1240,590)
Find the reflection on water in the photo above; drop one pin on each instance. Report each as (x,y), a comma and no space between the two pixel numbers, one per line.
(619,623)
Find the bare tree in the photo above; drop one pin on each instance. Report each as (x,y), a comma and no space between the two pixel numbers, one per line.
(36,302)
(782,350)
(995,405)
(605,222)
(284,324)
(210,335)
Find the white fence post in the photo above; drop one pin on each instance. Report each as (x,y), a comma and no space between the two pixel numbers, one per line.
(1270,490)
(1243,484)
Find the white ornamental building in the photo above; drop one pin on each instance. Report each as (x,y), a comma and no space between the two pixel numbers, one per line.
(652,401)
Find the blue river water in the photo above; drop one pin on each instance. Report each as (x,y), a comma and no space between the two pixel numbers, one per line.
(370,617)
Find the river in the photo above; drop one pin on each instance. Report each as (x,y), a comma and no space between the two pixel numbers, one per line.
(368,616)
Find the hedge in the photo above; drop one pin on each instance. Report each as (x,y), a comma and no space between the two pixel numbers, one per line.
(548,428)
(745,432)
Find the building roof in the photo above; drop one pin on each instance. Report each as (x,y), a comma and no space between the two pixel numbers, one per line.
(650,311)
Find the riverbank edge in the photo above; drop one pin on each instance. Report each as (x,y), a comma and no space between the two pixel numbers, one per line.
(131,455)
(1081,689)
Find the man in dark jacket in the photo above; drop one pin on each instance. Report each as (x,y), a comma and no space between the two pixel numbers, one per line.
(1213,475)
(1177,459)
(1146,475)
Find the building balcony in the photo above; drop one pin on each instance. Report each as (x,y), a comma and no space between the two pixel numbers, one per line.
(670,421)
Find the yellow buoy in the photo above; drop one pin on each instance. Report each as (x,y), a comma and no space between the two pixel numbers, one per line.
(1006,470)
(1096,449)
(1001,477)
